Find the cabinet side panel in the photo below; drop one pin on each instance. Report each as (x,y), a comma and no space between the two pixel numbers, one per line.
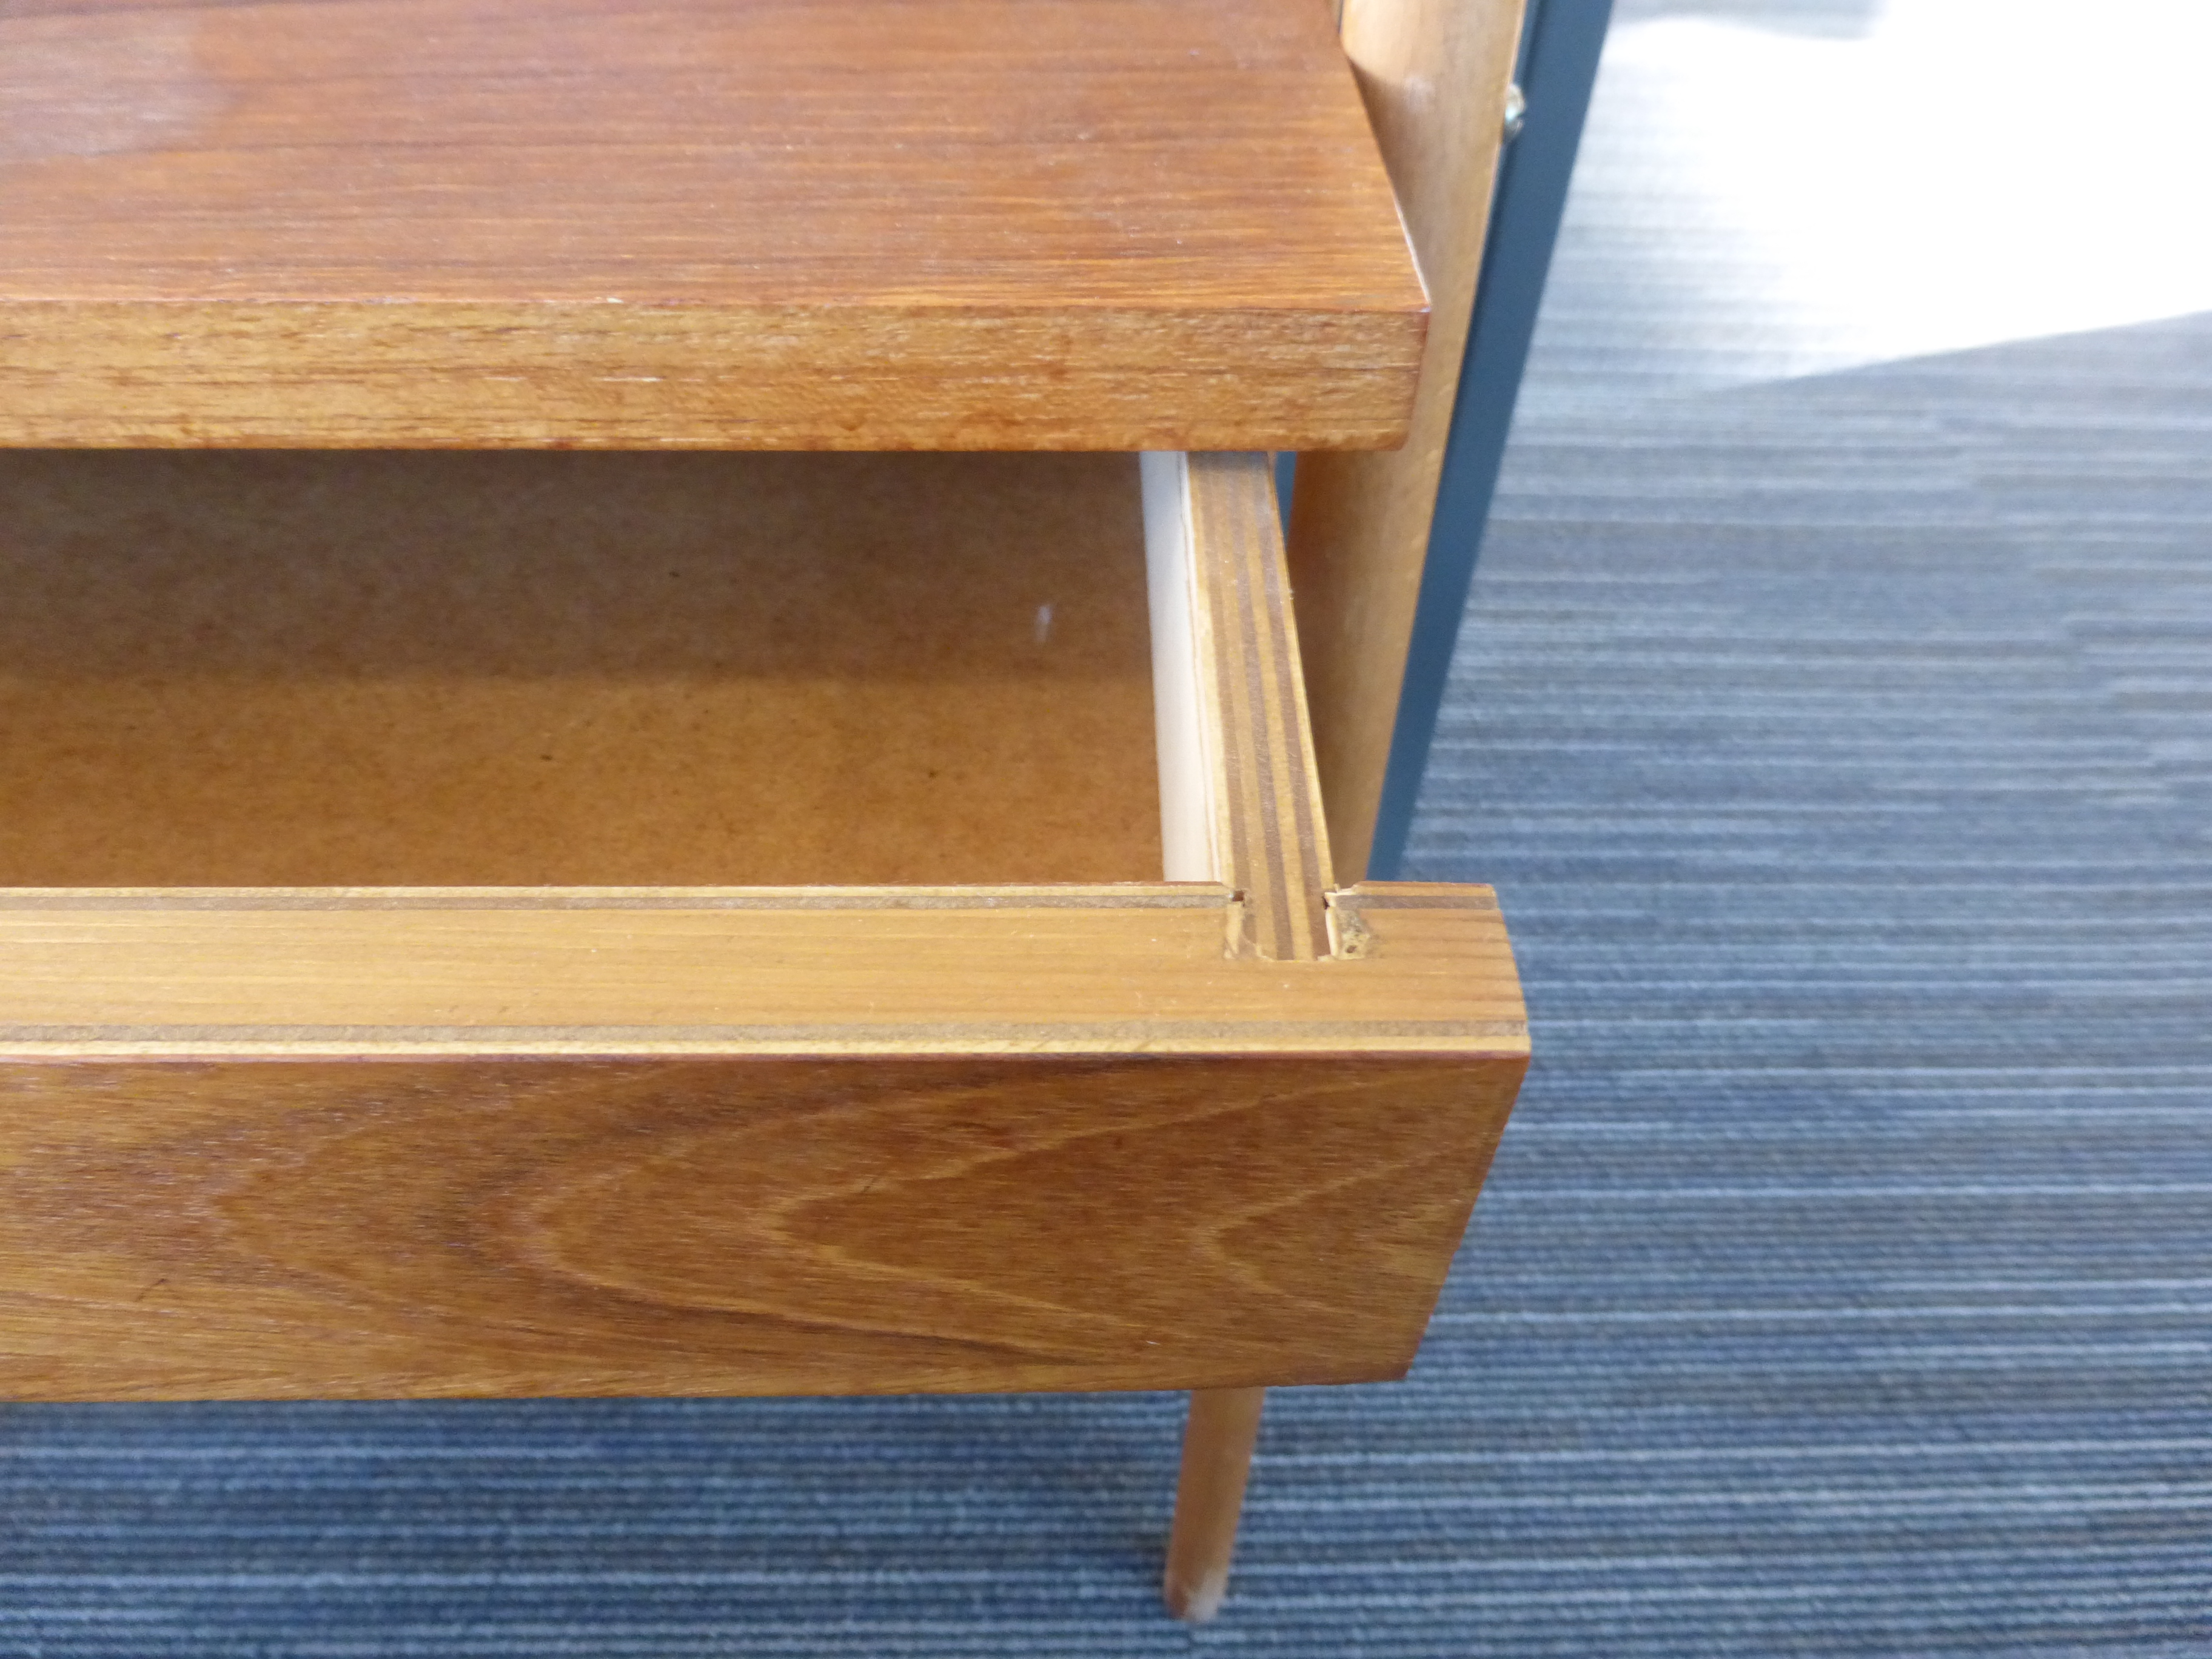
(1434,76)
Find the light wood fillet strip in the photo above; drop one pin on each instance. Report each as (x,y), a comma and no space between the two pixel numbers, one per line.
(1192,895)
(1185,730)
(1272,836)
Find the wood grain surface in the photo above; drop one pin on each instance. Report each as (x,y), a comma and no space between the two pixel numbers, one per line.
(112,973)
(862,224)
(197,1202)
(727,1227)
(1269,829)
(1434,74)
(476,670)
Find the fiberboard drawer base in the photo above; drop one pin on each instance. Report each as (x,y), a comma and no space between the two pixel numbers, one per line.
(479,670)
(380,1134)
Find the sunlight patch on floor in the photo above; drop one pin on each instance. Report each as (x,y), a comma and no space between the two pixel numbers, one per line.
(1930,176)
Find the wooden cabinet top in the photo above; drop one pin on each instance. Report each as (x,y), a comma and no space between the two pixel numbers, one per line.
(811,224)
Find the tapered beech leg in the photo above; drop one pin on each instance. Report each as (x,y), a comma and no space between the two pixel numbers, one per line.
(1217,1456)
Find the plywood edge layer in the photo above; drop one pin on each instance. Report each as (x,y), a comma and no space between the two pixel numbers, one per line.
(297,973)
(1240,798)
(1266,795)
(99,374)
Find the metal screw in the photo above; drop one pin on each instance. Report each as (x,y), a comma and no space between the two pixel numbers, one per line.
(1516,110)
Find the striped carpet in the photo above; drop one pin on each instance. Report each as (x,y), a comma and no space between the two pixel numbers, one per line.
(1842,748)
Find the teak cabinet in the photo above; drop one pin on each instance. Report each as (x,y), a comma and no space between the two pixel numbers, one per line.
(577,920)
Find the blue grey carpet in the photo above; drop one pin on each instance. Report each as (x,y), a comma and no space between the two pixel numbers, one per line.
(1843,751)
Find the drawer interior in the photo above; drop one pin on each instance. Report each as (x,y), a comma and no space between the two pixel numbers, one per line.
(523,1054)
(298,669)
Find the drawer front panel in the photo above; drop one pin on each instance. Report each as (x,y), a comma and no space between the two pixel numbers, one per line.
(375,1229)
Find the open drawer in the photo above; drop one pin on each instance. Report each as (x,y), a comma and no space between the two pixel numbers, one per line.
(543,924)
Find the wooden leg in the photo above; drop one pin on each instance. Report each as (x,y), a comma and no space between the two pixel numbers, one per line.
(1217,1456)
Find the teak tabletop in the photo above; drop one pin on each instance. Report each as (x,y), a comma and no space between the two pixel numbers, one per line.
(809,224)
